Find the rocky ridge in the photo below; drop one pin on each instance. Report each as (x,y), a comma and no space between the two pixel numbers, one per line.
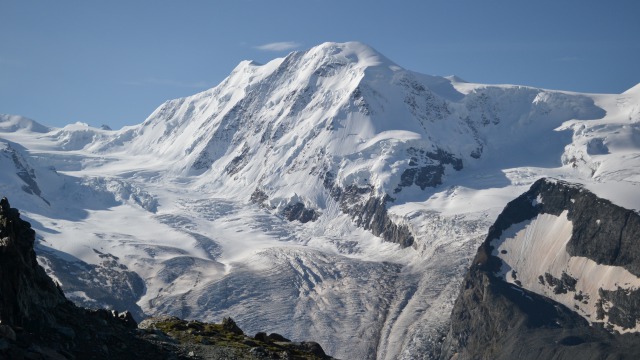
(38,322)
(497,316)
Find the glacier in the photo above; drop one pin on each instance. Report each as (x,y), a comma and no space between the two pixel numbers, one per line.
(328,195)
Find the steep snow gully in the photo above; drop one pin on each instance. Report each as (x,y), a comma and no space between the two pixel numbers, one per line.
(328,195)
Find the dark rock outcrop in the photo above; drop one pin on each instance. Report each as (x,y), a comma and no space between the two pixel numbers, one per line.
(364,205)
(38,322)
(602,231)
(493,319)
(368,211)
(23,170)
(426,169)
(226,341)
(27,294)
(297,211)
(259,197)
(45,323)
(238,162)
(372,215)
(294,211)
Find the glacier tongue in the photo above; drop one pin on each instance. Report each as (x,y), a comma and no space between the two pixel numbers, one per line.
(329,195)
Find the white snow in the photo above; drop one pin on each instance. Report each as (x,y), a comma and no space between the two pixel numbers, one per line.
(15,123)
(170,197)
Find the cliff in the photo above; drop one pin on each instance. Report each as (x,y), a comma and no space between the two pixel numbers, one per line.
(556,278)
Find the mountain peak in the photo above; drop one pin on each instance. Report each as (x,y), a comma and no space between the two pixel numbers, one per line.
(352,52)
(12,123)
(456,79)
(329,53)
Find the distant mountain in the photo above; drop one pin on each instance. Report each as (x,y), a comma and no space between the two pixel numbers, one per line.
(12,123)
(337,192)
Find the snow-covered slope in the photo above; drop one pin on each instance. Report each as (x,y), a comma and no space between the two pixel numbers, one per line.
(330,189)
(15,123)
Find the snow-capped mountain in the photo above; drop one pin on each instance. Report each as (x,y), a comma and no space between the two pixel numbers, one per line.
(330,194)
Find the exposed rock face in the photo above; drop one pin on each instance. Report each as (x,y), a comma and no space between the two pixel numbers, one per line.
(293,211)
(426,169)
(27,294)
(502,314)
(368,208)
(259,197)
(495,320)
(373,216)
(38,322)
(23,170)
(368,211)
(602,231)
(298,211)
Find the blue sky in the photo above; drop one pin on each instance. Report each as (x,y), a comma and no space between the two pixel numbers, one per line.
(113,62)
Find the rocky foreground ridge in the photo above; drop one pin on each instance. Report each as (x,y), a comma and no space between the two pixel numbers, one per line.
(519,301)
(38,322)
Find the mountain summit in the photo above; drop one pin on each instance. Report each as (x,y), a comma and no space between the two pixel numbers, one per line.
(341,123)
(340,193)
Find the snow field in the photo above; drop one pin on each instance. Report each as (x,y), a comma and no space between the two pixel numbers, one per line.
(170,198)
